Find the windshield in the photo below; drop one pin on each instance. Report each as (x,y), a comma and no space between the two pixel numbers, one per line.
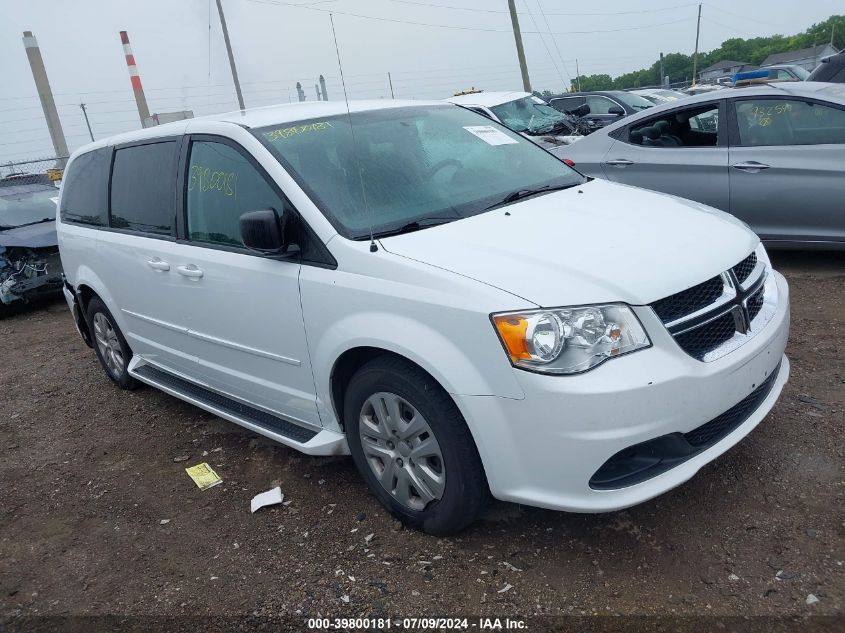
(634,101)
(529,114)
(415,163)
(25,204)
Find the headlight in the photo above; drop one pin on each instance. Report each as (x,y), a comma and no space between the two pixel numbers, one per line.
(569,340)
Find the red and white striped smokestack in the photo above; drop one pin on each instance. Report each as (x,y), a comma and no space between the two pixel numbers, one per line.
(140,98)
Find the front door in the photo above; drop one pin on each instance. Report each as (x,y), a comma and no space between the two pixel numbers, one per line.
(787,174)
(681,152)
(243,309)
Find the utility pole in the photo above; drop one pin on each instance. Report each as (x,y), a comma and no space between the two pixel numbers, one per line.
(695,56)
(85,114)
(662,75)
(577,75)
(42,84)
(323,88)
(231,56)
(390,81)
(520,52)
(135,78)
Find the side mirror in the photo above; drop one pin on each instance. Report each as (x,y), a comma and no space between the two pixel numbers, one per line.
(263,231)
(616,111)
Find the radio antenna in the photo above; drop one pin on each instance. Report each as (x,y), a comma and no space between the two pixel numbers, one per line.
(373,247)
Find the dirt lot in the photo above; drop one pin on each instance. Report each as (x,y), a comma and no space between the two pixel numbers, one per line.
(97,516)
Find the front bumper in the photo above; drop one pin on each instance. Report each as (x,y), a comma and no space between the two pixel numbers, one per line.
(544,449)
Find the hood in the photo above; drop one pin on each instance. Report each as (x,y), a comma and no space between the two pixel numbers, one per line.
(594,243)
(39,235)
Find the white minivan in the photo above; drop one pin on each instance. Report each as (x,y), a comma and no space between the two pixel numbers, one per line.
(422,287)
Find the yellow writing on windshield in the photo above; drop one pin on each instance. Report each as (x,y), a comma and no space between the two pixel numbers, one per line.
(772,110)
(206,179)
(296,130)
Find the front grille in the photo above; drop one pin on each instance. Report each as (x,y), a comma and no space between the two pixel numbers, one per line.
(717,428)
(744,268)
(755,303)
(701,340)
(689,301)
(702,319)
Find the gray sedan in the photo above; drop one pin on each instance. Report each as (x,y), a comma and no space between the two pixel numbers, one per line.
(772,155)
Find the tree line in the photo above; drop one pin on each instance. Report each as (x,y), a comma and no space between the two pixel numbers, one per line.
(678,66)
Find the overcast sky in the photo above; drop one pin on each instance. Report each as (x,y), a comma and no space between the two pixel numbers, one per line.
(455,44)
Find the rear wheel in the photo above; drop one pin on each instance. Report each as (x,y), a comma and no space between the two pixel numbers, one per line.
(413,448)
(111,348)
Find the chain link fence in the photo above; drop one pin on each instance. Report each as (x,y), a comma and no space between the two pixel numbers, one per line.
(47,171)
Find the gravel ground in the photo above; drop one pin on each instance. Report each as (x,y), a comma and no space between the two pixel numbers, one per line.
(97,514)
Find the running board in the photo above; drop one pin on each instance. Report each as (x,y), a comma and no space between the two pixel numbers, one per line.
(305,439)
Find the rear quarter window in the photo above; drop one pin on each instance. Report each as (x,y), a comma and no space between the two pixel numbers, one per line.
(143,188)
(85,189)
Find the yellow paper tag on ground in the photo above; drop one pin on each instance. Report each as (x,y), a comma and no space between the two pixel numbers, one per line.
(203,475)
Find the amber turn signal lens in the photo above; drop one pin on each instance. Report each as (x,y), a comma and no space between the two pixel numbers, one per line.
(512,330)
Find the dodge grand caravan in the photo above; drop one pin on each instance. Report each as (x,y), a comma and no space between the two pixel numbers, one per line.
(422,288)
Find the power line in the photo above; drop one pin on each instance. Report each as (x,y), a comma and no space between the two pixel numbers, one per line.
(461,28)
(543,39)
(500,11)
(554,40)
(725,26)
(754,20)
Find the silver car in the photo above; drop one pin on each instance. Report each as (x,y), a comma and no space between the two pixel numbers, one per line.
(772,155)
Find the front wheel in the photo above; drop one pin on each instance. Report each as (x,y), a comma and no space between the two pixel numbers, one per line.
(410,443)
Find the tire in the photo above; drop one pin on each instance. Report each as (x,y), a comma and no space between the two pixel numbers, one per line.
(109,344)
(446,474)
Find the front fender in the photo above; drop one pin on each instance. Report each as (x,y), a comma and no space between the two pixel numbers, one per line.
(454,367)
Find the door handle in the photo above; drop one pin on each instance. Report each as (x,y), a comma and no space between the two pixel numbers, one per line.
(157,264)
(189,271)
(619,162)
(752,166)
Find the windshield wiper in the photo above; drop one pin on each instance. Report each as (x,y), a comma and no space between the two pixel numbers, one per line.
(520,194)
(416,225)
